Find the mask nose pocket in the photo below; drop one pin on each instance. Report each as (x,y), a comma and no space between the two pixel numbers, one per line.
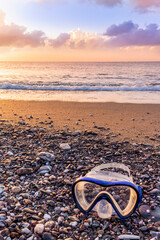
(104,209)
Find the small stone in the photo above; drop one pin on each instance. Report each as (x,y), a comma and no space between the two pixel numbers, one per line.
(51,203)
(2,187)
(47,236)
(154,191)
(145,211)
(73,224)
(57,209)
(24,171)
(26,230)
(47,217)
(128,237)
(39,228)
(73,218)
(144,228)
(5,232)
(60,220)
(155,234)
(2,217)
(46,156)
(49,224)
(148,213)
(16,189)
(28,210)
(30,238)
(10,153)
(65,146)
(45,169)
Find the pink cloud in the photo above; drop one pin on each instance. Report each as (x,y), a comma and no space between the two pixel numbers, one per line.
(2,17)
(15,35)
(60,40)
(122,35)
(144,4)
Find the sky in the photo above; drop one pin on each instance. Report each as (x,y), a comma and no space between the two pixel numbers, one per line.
(80,30)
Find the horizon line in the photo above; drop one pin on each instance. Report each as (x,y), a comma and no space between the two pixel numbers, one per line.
(80,61)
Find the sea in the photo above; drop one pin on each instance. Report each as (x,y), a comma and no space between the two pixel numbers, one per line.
(124,82)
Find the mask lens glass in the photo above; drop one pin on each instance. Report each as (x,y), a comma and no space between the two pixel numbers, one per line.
(124,197)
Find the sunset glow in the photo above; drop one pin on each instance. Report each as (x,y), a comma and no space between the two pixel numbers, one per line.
(108,30)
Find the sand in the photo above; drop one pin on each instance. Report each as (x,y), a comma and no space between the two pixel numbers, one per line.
(134,122)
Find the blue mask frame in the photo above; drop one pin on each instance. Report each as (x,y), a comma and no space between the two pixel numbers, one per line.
(103,195)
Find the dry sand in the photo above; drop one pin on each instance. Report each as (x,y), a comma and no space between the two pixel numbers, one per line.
(135,122)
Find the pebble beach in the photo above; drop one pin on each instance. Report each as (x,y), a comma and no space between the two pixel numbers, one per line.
(45,146)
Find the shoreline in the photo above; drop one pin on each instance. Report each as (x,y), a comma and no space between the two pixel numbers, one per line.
(120,121)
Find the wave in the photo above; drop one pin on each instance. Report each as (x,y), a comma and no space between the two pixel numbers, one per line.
(9,86)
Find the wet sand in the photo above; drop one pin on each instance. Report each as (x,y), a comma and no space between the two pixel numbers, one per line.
(135,122)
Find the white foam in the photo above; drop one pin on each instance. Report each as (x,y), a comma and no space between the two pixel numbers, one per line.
(87,87)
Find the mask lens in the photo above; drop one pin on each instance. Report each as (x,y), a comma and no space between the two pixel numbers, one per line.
(124,197)
(86,192)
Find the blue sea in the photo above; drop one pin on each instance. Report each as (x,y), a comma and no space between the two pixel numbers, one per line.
(136,82)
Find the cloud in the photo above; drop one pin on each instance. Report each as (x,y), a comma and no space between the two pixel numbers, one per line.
(2,17)
(79,40)
(146,4)
(17,36)
(60,40)
(125,27)
(123,35)
(108,3)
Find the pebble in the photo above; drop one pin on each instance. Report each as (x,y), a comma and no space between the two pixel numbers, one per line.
(2,217)
(46,156)
(60,220)
(10,153)
(144,228)
(24,171)
(147,212)
(128,237)
(51,203)
(44,208)
(154,191)
(2,188)
(47,217)
(26,231)
(49,224)
(73,224)
(16,189)
(30,238)
(47,236)
(155,234)
(45,169)
(65,146)
(39,228)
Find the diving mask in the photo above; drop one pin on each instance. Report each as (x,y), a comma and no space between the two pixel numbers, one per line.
(106,190)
